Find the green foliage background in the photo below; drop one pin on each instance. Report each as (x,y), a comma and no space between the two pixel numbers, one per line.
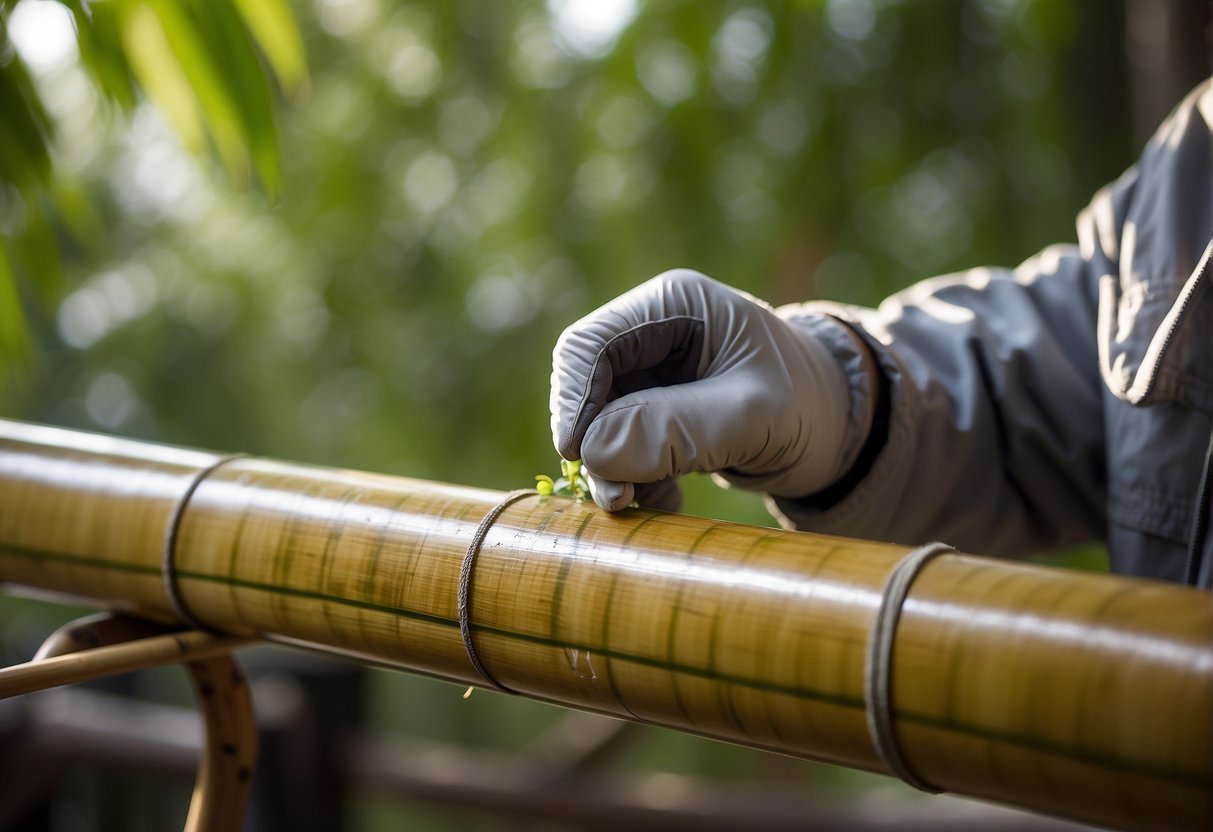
(458,184)
(365,262)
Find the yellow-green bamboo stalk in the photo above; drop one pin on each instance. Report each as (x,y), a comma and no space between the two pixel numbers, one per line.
(1082,696)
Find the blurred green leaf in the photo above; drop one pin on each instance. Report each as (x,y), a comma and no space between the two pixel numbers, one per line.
(243,76)
(200,67)
(273,26)
(218,59)
(38,249)
(156,65)
(25,127)
(14,332)
(99,34)
(197,61)
(80,217)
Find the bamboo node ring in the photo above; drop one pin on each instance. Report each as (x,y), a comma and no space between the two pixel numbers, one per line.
(465,583)
(168,558)
(877,675)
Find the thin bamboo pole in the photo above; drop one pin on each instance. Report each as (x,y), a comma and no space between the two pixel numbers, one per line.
(114,659)
(1076,695)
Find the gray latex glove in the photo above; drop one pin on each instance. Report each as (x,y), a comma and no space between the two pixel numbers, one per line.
(685,374)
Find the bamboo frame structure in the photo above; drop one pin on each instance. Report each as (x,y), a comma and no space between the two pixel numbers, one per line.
(107,645)
(1077,695)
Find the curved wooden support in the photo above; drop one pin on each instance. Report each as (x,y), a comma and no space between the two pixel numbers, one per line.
(225,774)
(108,645)
(98,630)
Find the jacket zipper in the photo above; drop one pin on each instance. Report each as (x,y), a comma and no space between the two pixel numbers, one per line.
(1181,309)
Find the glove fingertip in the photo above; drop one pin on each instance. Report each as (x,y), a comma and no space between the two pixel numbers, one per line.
(611,495)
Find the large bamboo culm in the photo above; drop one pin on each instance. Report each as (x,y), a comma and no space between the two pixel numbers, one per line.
(1077,695)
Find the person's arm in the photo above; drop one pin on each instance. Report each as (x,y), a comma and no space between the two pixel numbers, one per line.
(1012,392)
(984,424)
(967,408)
(994,432)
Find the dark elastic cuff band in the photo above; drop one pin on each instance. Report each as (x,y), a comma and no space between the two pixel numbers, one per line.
(878,437)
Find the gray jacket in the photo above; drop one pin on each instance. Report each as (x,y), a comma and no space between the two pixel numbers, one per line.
(1070,399)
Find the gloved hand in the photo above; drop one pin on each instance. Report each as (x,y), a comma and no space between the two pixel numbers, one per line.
(685,374)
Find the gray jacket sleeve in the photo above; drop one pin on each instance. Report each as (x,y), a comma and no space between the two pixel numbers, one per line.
(995,434)
(997,428)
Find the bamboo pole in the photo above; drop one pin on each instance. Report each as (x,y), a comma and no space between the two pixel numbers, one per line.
(114,659)
(1076,695)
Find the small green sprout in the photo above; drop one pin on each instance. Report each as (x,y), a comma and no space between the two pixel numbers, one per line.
(572,482)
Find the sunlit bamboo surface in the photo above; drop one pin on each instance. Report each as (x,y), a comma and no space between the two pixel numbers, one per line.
(1077,695)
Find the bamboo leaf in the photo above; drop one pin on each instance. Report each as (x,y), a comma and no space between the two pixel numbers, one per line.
(197,61)
(200,65)
(99,34)
(243,75)
(162,77)
(25,128)
(16,167)
(273,26)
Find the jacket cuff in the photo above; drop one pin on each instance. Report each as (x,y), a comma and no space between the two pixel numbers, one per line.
(850,506)
(839,339)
